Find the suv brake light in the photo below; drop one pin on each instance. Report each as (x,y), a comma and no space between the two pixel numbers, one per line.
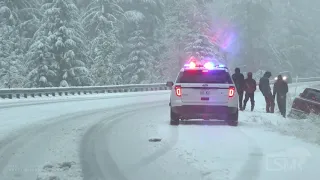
(178,91)
(231,91)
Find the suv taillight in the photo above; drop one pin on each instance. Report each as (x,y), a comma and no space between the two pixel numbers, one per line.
(178,90)
(231,91)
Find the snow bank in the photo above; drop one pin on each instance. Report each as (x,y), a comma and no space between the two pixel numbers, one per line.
(305,129)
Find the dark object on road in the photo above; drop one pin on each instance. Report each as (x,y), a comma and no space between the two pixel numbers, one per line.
(250,86)
(238,79)
(280,89)
(264,86)
(306,103)
(154,140)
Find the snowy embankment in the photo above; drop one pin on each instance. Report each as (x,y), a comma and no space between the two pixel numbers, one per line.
(305,129)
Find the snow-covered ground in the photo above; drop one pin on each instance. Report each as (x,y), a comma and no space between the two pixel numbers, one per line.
(110,135)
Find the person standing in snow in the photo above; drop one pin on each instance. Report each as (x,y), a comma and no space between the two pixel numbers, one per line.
(264,86)
(250,86)
(238,80)
(280,89)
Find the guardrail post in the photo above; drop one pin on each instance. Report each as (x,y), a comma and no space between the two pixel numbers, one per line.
(18,96)
(25,95)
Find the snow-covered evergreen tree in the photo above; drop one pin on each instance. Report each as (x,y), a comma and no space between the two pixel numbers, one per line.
(14,20)
(100,22)
(174,32)
(250,17)
(58,56)
(106,69)
(199,44)
(101,15)
(139,59)
(11,65)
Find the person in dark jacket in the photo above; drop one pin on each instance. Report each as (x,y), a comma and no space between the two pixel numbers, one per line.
(280,89)
(264,86)
(238,79)
(250,86)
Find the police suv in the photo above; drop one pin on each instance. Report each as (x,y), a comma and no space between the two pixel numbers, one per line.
(203,90)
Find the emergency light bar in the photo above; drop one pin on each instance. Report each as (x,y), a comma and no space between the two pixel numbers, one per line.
(206,65)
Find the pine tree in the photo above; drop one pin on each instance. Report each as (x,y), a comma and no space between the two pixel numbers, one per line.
(251,17)
(62,52)
(101,15)
(11,67)
(14,20)
(199,44)
(174,32)
(100,22)
(106,70)
(139,60)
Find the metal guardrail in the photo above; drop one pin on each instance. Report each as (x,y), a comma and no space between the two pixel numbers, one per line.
(65,91)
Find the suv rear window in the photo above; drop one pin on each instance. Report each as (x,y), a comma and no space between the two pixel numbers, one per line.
(312,94)
(198,76)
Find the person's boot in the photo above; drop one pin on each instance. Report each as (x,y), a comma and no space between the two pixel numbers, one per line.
(252,106)
(244,106)
(272,108)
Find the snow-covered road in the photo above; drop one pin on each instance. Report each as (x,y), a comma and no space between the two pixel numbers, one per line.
(108,138)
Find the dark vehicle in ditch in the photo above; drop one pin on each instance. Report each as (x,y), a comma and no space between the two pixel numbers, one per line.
(306,103)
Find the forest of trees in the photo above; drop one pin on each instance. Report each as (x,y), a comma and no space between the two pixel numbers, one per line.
(45,43)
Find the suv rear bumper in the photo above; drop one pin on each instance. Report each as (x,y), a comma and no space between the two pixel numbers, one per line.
(202,111)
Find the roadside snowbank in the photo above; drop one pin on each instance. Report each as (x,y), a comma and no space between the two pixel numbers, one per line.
(305,129)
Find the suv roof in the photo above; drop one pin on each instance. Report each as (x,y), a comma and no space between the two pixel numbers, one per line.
(202,75)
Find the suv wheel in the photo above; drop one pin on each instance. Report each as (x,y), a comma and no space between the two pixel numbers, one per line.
(233,119)
(174,118)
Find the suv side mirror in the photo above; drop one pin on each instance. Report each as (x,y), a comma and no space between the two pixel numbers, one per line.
(169,84)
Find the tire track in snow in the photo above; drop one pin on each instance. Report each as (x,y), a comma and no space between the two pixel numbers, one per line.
(15,142)
(252,168)
(91,167)
(97,167)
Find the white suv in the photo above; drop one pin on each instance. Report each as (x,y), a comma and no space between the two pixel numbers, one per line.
(203,92)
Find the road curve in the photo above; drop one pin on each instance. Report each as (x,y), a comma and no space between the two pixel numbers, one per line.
(120,149)
(113,143)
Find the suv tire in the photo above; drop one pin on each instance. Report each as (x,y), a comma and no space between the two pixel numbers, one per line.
(174,118)
(233,119)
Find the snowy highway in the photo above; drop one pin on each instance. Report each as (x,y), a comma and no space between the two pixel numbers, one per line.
(102,138)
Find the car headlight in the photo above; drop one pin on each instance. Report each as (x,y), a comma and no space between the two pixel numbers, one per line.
(276,78)
(284,77)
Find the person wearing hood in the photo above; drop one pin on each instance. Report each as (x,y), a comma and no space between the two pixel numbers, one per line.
(238,79)
(264,86)
(280,89)
(250,86)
